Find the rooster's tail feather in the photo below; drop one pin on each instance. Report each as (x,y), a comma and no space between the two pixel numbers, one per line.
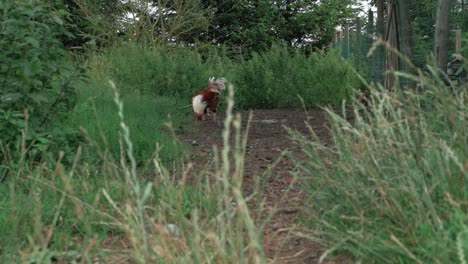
(218,82)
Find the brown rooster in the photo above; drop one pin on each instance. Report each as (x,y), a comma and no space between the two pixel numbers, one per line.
(208,99)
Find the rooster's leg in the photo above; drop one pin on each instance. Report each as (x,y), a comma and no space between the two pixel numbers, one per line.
(216,119)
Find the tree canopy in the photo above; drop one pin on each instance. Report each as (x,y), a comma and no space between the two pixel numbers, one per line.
(254,25)
(242,26)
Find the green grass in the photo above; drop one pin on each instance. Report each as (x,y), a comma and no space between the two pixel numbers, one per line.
(150,118)
(393,188)
(74,207)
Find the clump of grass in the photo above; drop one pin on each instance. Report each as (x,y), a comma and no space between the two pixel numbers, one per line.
(393,188)
(77,213)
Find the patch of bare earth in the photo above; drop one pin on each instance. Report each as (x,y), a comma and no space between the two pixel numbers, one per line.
(267,140)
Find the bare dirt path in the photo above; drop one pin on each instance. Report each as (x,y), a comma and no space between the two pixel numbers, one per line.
(267,139)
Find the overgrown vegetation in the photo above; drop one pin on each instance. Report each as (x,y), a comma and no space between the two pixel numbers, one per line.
(393,189)
(92,172)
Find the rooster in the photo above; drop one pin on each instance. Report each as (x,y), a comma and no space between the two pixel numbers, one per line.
(208,99)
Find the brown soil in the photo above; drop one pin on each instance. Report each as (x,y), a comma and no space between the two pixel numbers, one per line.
(267,139)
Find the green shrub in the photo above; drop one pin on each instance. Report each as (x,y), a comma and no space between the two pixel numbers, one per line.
(393,187)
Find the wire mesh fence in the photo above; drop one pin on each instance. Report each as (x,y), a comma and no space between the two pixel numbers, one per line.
(355,42)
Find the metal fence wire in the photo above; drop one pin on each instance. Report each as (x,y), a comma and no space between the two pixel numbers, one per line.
(355,41)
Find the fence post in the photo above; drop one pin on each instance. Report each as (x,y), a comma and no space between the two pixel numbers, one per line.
(346,36)
(358,50)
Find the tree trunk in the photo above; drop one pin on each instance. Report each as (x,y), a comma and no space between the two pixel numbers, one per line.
(442,34)
(380,17)
(380,52)
(370,22)
(406,37)
(370,32)
(392,36)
